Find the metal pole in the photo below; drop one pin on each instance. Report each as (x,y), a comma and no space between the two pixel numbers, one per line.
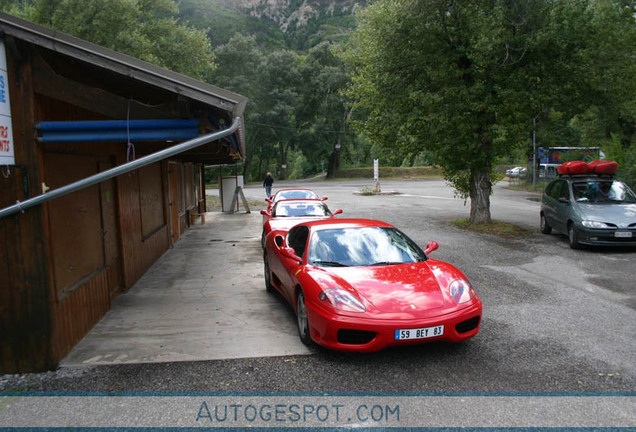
(122,169)
(534,153)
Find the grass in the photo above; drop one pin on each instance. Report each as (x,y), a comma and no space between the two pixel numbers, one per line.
(527,187)
(390,173)
(497,228)
(213,203)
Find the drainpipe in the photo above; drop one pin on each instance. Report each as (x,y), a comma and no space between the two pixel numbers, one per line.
(122,169)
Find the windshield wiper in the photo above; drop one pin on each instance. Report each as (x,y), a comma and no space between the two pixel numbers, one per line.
(330,263)
(383,263)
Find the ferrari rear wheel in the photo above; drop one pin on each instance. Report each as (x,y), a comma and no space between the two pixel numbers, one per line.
(268,275)
(303,321)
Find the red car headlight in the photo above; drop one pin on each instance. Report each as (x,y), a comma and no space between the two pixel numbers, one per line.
(461,291)
(340,299)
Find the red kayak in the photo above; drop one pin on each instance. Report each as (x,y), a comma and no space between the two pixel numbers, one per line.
(573,167)
(603,167)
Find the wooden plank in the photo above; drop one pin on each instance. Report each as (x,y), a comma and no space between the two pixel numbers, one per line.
(138,253)
(75,221)
(111,105)
(25,320)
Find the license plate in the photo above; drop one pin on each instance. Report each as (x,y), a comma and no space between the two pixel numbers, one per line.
(623,234)
(420,333)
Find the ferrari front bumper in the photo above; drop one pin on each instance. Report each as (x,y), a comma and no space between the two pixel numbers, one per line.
(348,333)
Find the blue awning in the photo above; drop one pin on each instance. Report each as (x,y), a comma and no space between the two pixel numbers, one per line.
(117,130)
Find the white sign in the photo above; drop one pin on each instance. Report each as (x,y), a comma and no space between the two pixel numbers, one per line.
(6,134)
(376,170)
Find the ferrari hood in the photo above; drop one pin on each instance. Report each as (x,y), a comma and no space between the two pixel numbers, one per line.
(405,290)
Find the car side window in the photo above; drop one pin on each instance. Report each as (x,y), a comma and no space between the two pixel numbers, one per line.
(553,189)
(297,239)
(564,191)
(558,189)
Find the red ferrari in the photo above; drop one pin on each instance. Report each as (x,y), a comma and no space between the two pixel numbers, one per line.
(292,194)
(363,285)
(287,213)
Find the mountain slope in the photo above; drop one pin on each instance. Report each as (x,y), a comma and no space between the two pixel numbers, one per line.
(292,24)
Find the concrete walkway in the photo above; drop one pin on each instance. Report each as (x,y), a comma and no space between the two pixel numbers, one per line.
(205,299)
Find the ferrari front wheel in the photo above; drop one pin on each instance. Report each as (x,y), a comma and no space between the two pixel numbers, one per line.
(302,319)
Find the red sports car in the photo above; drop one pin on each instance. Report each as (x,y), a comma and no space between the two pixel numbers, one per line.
(292,194)
(363,285)
(287,213)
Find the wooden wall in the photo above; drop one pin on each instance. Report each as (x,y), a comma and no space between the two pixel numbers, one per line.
(140,252)
(25,314)
(82,244)
(63,262)
(81,309)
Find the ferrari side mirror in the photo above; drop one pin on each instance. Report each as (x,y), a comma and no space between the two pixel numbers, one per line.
(291,254)
(324,199)
(431,246)
(337,212)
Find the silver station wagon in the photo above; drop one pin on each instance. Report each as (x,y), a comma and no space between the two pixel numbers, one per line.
(590,210)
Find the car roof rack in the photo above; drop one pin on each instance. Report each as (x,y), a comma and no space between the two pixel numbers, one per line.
(589,174)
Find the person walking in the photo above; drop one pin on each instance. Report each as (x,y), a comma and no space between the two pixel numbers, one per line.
(267,184)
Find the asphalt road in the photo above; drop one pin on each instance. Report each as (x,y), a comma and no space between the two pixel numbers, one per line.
(555,319)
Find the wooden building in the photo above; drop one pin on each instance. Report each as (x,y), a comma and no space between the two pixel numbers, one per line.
(73,111)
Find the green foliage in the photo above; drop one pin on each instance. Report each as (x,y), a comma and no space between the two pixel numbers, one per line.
(451,82)
(465,79)
(389,172)
(146,29)
(297,165)
(625,156)
(219,19)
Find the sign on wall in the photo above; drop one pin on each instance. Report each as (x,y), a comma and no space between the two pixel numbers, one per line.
(6,134)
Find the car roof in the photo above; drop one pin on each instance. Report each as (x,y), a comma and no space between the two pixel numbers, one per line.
(294,189)
(300,200)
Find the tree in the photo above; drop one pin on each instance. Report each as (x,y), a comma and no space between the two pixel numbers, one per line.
(240,63)
(146,29)
(322,114)
(465,79)
(271,83)
(279,84)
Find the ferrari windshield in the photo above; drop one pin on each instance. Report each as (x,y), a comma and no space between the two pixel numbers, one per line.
(300,209)
(362,246)
(295,194)
(602,191)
